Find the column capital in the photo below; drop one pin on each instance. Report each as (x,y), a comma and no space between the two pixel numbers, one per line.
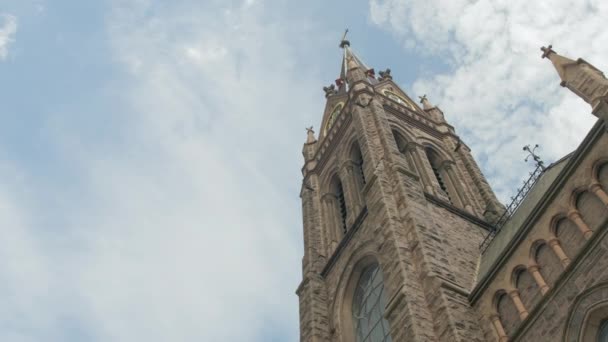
(574,214)
(513,293)
(594,186)
(577,218)
(553,242)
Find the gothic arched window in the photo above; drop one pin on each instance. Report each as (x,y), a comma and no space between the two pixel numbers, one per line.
(369,302)
(602,335)
(435,162)
(402,146)
(357,158)
(340,205)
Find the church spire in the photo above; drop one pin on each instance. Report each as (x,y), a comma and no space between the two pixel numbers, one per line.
(582,78)
(353,68)
(559,62)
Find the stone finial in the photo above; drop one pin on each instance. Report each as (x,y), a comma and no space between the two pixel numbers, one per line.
(385,75)
(547,51)
(310,138)
(582,78)
(425,102)
(371,73)
(330,90)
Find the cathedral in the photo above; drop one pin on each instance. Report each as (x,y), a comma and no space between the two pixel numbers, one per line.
(405,240)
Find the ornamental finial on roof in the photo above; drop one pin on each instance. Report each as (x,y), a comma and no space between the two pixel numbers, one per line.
(536,157)
(425,102)
(310,135)
(547,51)
(344,42)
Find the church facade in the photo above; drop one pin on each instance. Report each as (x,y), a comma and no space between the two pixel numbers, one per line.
(405,240)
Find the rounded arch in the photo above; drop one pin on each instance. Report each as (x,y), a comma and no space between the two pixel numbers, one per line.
(599,170)
(592,209)
(554,221)
(576,193)
(507,312)
(529,292)
(568,234)
(586,314)
(515,273)
(547,261)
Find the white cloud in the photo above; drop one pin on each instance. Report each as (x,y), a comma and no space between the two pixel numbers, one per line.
(498,92)
(189,227)
(8,28)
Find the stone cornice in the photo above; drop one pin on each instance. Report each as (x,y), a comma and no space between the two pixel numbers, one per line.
(423,123)
(546,200)
(473,219)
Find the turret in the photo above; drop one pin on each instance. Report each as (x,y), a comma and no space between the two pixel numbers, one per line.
(582,78)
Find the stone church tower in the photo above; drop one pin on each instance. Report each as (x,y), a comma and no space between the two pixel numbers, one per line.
(404,240)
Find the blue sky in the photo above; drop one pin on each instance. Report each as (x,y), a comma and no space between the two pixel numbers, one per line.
(150,151)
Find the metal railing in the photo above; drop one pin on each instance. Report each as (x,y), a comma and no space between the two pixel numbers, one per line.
(515,203)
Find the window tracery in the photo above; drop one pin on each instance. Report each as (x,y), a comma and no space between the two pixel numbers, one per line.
(369,302)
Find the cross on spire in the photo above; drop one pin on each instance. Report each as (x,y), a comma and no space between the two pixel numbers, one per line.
(344,42)
(547,51)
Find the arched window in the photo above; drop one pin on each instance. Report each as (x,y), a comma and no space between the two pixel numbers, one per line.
(369,302)
(357,158)
(602,335)
(602,176)
(509,317)
(339,192)
(548,263)
(435,162)
(527,287)
(402,146)
(592,209)
(571,238)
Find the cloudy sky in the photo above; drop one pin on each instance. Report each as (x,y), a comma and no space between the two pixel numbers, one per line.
(150,150)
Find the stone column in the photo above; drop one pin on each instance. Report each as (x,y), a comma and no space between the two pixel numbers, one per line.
(521,309)
(350,192)
(333,221)
(575,216)
(459,190)
(596,188)
(540,281)
(414,152)
(557,249)
(500,330)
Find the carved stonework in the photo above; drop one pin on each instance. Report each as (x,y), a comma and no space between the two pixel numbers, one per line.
(330,90)
(385,75)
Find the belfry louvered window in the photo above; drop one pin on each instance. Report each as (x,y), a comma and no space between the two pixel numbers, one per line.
(435,162)
(369,302)
(358,161)
(342,204)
